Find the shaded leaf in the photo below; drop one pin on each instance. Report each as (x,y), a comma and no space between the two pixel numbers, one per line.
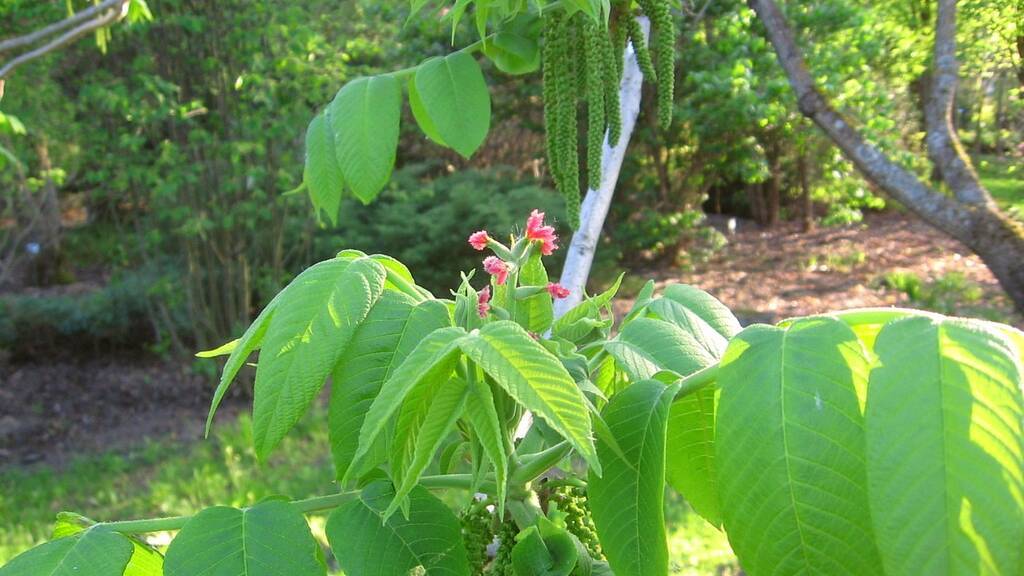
(945,448)
(536,379)
(365,117)
(790,450)
(94,552)
(321,174)
(368,545)
(627,501)
(316,319)
(269,539)
(456,104)
(390,332)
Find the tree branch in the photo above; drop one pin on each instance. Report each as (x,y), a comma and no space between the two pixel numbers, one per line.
(108,12)
(898,182)
(33,37)
(943,144)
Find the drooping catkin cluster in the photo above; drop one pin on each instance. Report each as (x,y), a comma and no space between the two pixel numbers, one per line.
(583,63)
(663,40)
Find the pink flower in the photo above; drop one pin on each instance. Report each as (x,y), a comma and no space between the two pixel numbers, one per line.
(496,267)
(483,303)
(557,290)
(479,239)
(536,230)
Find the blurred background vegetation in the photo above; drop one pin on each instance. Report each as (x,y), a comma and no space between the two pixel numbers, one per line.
(144,205)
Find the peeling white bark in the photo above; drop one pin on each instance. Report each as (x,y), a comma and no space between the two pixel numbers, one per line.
(580,254)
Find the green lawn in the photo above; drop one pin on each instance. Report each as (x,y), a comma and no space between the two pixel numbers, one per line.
(1004,178)
(167,479)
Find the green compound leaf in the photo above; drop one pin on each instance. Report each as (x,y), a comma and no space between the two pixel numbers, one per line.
(427,416)
(314,322)
(269,539)
(321,174)
(515,48)
(365,117)
(945,448)
(627,502)
(790,450)
(545,550)
(647,346)
(145,561)
(391,330)
(536,379)
(368,545)
(431,361)
(537,311)
(94,552)
(488,431)
(709,308)
(453,101)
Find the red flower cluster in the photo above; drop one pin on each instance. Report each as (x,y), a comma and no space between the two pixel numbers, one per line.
(483,303)
(478,240)
(496,267)
(536,230)
(557,290)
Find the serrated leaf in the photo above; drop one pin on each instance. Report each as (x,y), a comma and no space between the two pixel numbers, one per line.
(536,379)
(365,117)
(627,501)
(432,360)
(419,112)
(144,561)
(553,553)
(269,539)
(420,433)
(790,450)
(455,101)
(945,448)
(482,415)
(537,311)
(709,308)
(321,173)
(311,328)
(392,329)
(690,460)
(96,551)
(368,545)
(647,346)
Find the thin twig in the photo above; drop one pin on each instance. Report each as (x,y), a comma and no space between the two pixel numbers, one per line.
(33,37)
(68,37)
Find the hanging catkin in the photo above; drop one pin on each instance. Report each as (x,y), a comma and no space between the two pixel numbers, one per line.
(550,55)
(613,79)
(643,54)
(594,61)
(664,54)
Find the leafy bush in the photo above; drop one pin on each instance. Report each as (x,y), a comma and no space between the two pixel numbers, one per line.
(824,444)
(420,216)
(137,311)
(948,294)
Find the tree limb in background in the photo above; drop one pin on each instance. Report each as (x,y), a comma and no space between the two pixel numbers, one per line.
(580,255)
(70,29)
(970,215)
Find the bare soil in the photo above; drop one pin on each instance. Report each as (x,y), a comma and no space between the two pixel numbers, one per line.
(768,275)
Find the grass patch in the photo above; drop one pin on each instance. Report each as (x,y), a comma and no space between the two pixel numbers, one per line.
(1004,179)
(165,479)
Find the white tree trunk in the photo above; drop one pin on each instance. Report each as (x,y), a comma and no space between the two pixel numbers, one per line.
(580,254)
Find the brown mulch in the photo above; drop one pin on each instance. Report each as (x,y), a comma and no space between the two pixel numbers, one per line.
(49,413)
(768,275)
